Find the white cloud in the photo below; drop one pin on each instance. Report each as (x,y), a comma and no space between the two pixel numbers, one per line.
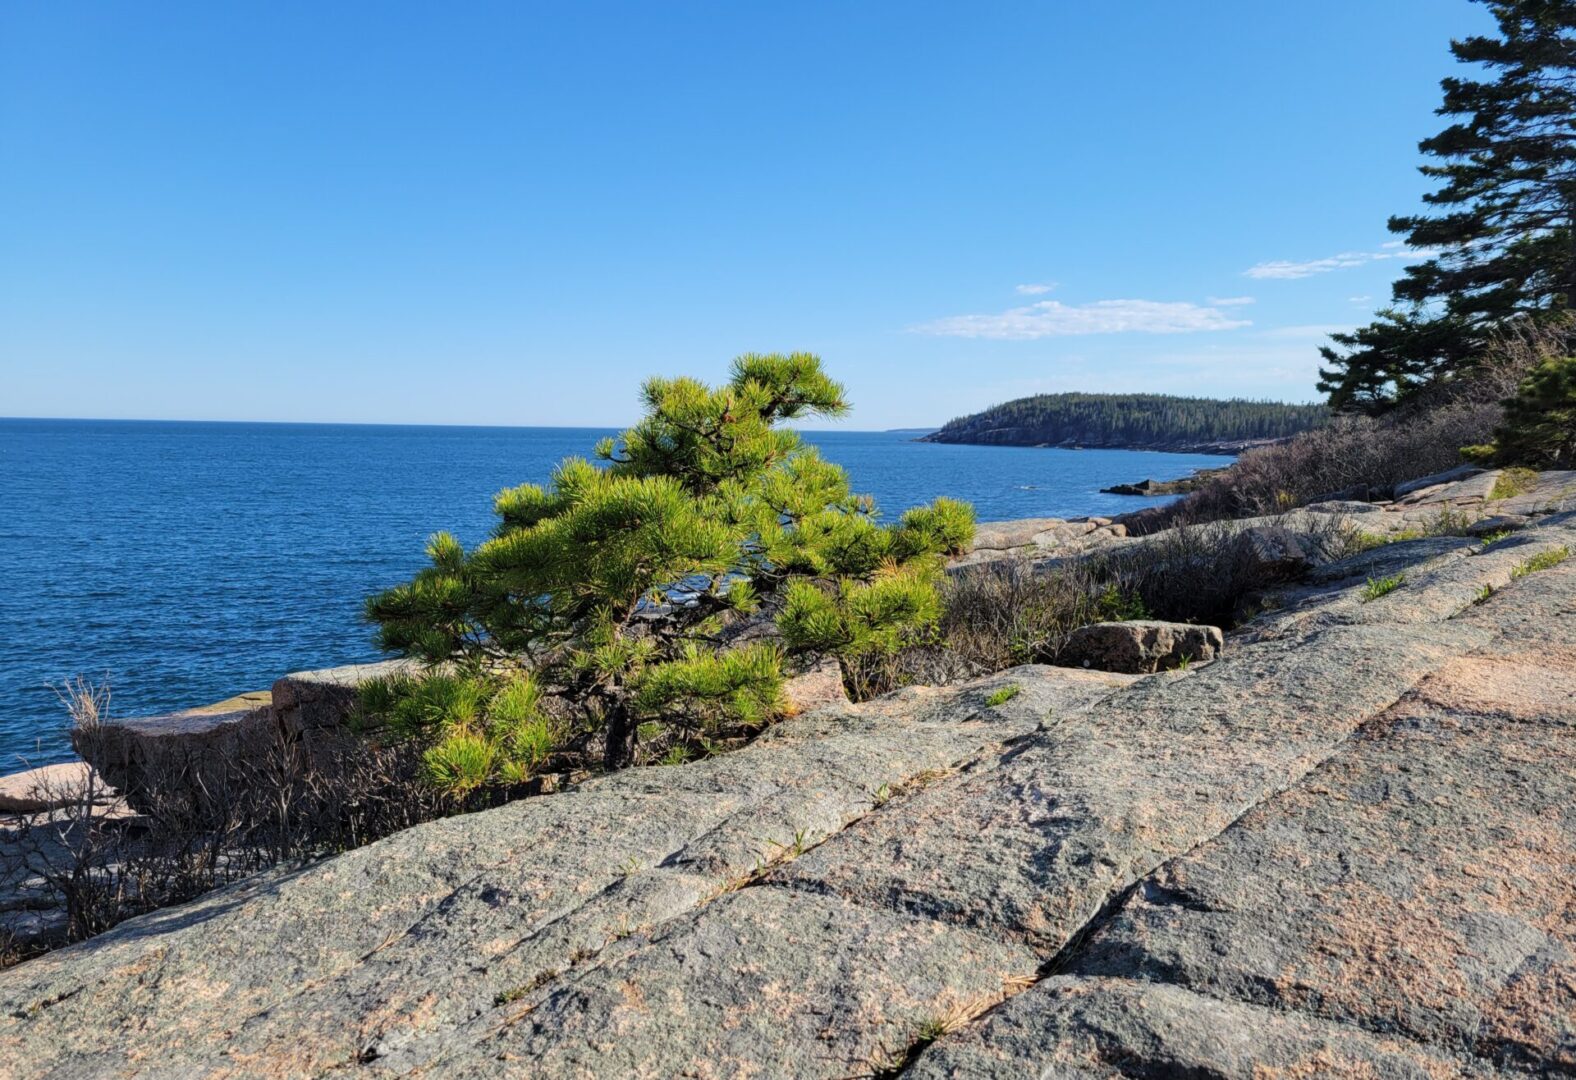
(1360,299)
(1286,270)
(1051,318)
(1283,269)
(1038,288)
(1229,301)
(1311,331)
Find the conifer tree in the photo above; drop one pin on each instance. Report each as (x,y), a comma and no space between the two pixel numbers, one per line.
(1501,224)
(1540,421)
(597,611)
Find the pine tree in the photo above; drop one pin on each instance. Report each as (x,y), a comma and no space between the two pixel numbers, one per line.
(1502,220)
(598,610)
(1540,421)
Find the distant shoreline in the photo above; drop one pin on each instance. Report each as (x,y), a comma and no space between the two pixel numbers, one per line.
(1229,448)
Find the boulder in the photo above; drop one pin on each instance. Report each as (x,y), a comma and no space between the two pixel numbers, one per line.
(1144,487)
(187,755)
(311,707)
(818,688)
(1005,535)
(1498,523)
(1272,553)
(1473,488)
(1331,505)
(1180,486)
(1140,647)
(305,700)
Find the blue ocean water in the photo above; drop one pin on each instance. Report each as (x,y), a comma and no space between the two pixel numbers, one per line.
(185,562)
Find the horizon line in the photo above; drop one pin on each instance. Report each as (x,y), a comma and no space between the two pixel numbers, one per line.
(400,423)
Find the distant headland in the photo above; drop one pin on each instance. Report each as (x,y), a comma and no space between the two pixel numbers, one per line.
(1134,422)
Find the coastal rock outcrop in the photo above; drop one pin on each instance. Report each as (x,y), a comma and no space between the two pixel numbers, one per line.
(44,789)
(1343,848)
(182,753)
(1141,646)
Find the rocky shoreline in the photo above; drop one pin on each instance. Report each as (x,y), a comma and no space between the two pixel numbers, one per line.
(1340,843)
(1028,437)
(1152,488)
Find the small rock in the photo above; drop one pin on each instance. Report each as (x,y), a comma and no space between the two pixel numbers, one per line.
(1272,553)
(820,687)
(1342,506)
(1140,647)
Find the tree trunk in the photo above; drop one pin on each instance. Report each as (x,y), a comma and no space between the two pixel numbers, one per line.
(621,728)
(1570,250)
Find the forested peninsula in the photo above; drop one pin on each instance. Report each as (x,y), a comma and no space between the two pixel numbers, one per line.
(1134,422)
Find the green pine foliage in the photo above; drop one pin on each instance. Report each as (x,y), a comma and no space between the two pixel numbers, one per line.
(597,613)
(1498,241)
(1540,421)
(1130,420)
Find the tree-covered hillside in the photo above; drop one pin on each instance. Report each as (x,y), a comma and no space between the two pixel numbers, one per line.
(1133,421)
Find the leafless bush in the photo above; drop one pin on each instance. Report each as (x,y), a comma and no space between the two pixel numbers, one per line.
(1016,611)
(1019,611)
(1365,457)
(1204,573)
(95,862)
(874,674)
(1354,457)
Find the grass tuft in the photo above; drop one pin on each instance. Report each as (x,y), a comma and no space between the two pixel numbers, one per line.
(1544,560)
(1384,586)
(1512,482)
(1003,695)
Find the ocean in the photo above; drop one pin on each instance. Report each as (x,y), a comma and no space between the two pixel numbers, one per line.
(184,562)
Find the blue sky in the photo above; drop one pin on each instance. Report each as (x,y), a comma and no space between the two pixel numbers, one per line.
(511,213)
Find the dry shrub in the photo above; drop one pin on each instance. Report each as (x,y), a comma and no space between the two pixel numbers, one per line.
(1355,457)
(1019,610)
(1366,457)
(873,674)
(1204,573)
(1016,611)
(97,862)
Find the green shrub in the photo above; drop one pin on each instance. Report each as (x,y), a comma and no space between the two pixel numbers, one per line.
(1540,421)
(598,611)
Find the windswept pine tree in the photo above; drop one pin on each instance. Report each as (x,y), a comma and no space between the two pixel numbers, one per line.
(598,613)
(1501,224)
